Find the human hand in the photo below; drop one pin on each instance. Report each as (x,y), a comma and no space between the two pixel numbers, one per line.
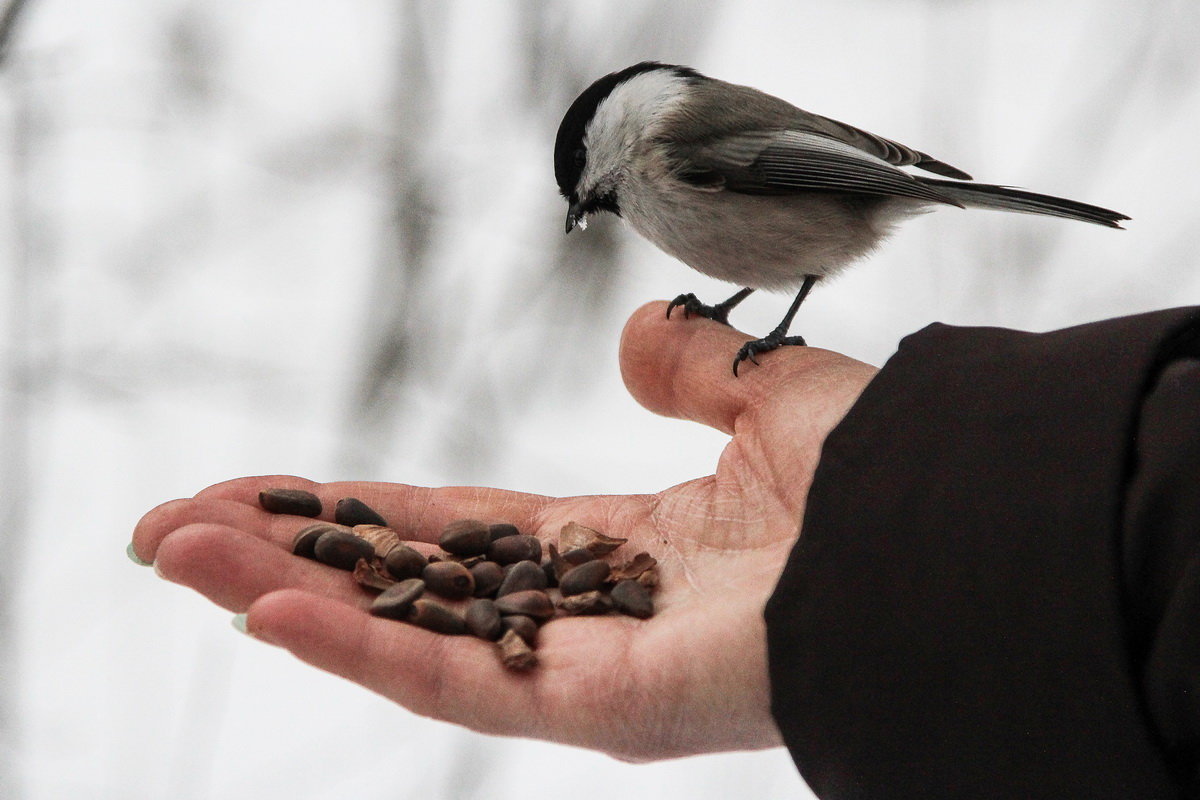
(692,679)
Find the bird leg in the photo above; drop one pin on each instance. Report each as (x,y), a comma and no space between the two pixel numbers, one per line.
(719,313)
(778,337)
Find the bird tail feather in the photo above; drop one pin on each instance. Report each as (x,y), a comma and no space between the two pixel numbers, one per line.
(1006,198)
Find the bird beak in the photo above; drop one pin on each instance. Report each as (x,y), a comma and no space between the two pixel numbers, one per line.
(576,216)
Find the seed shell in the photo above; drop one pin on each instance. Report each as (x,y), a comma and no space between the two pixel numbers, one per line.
(396,601)
(403,562)
(342,550)
(352,511)
(290,501)
(483,620)
(521,576)
(449,579)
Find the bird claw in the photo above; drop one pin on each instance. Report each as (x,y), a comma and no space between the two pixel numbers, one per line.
(692,306)
(772,341)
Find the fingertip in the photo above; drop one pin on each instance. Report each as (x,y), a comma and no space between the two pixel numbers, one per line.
(679,367)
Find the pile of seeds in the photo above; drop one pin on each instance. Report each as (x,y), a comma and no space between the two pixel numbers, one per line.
(492,579)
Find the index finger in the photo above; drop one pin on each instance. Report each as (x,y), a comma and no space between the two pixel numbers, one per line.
(417,513)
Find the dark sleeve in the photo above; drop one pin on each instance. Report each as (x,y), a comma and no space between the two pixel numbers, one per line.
(996,591)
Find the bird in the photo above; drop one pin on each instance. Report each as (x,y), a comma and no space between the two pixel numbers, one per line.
(747,188)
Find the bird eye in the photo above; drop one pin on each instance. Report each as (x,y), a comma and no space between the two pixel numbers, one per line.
(580,157)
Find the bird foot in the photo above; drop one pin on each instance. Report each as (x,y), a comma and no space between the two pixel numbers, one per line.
(772,341)
(692,307)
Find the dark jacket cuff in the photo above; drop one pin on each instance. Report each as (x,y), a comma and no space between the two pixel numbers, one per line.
(950,622)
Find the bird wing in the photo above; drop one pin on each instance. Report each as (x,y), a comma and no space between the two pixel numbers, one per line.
(793,161)
(892,152)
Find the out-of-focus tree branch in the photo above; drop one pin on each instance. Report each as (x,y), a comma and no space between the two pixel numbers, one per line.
(8,27)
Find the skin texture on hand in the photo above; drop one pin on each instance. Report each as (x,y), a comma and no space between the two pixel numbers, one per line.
(692,679)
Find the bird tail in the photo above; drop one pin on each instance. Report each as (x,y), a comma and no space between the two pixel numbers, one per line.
(1006,198)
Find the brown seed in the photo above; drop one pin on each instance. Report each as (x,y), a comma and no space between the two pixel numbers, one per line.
(523,626)
(529,603)
(306,538)
(432,615)
(515,652)
(465,537)
(367,574)
(342,550)
(574,535)
(511,549)
(381,537)
(632,598)
(488,576)
(403,562)
(586,603)
(449,579)
(587,577)
(483,620)
(290,501)
(396,600)
(501,529)
(352,511)
(521,576)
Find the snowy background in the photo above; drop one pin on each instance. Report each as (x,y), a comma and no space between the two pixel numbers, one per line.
(324,239)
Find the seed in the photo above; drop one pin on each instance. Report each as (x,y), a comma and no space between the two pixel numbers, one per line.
(396,600)
(515,652)
(587,577)
(382,538)
(290,501)
(586,603)
(433,616)
(342,550)
(632,598)
(352,511)
(465,537)
(306,538)
(529,603)
(511,549)
(368,574)
(521,576)
(559,564)
(523,626)
(483,620)
(449,579)
(403,562)
(488,576)
(501,529)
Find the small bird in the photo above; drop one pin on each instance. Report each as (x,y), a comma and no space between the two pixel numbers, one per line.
(747,188)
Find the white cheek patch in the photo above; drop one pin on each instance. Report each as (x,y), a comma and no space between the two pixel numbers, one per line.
(632,112)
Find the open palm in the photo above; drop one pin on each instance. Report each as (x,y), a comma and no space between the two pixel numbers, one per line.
(691,679)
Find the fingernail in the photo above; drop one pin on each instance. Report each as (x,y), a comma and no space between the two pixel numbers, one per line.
(239,624)
(134,557)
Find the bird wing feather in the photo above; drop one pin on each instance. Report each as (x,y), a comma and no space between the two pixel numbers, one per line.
(792,161)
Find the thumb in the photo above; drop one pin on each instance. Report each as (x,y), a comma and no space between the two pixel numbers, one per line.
(683,368)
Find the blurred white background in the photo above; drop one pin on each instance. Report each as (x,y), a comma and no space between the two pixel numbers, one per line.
(324,239)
